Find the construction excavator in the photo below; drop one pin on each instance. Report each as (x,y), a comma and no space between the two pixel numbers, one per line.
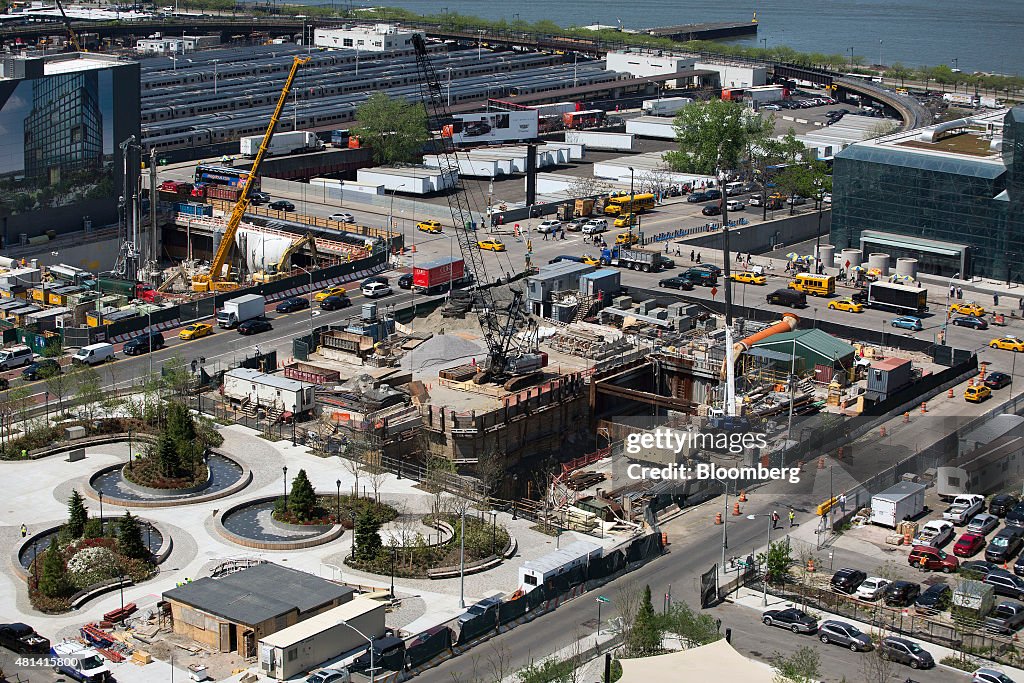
(512,357)
(283,265)
(219,278)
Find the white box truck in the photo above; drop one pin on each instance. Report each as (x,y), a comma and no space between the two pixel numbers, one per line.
(903,501)
(239,310)
(668,106)
(293,142)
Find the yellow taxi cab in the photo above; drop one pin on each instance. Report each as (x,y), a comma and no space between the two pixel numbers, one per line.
(491,245)
(847,305)
(196,331)
(590,260)
(749,278)
(336,290)
(977,393)
(1008,344)
(627,238)
(429,226)
(625,220)
(969,308)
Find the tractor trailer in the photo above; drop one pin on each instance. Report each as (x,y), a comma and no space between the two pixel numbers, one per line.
(897,298)
(293,142)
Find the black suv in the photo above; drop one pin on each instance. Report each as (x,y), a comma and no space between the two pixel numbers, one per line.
(935,599)
(144,343)
(901,593)
(1005,545)
(847,580)
(405,281)
(1015,516)
(1002,504)
(678,282)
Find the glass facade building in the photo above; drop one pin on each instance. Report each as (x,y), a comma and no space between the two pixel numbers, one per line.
(952,201)
(64,130)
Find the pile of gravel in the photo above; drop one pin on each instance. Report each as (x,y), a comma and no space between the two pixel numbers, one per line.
(446,350)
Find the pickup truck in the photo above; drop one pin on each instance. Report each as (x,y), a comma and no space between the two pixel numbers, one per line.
(963,508)
(936,533)
(1007,617)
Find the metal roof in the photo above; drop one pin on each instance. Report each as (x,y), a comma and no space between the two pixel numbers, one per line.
(560,558)
(821,343)
(257,377)
(253,595)
(900,491)
(307,628)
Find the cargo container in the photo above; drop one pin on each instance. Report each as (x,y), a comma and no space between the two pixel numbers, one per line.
(434,277)
(619,142)
(229,194)
(583,207)
(667,106)
(903,501)
(240,309)
(292,142)
(194,209)
(256,388)
(129,289)
(898,298)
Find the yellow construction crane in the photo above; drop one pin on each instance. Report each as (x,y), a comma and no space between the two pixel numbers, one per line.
(72,36)
(283,264)
(219,278)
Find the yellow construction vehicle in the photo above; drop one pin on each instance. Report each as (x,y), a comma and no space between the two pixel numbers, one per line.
(72,36)
(283,265)
(219,278)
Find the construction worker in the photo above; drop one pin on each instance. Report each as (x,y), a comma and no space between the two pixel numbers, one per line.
(775,519)
(792,519)
(24,531)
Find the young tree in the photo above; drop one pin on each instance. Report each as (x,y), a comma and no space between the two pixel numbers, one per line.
(876,668)
(645,638)
(18,397)
(93,528)
(395,129)
(88,391)
(776,561)
(166,453)
(129,537)
(78,515)
(302,499)
(367,535)
(692,628)
(53,577)
(60,386)
(180,427)
(352,464)
(715,134)
(175,375)
(803,665)
(376,476)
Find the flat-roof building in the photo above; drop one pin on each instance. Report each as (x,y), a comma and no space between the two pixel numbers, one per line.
(949,195)
(376,38)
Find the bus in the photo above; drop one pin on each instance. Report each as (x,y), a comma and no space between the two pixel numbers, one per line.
(622,204)
(815,285)
(587,118)
(864,77)
(222,175)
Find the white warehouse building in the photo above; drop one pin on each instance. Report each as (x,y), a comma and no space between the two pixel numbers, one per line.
(376,38)
(640,65)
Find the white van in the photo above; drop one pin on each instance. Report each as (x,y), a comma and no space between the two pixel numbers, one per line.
(94,354)
(15,357)
(78,662)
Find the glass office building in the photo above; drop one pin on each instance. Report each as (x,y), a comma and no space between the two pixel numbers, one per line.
(64,130)
(949,195)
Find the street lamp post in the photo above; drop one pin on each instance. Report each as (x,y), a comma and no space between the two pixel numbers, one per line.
(337,513)
(214,75)
(101,511)
(373,669)
(949,293)
(817,232)
(130,449)
(494,531)
(391,215)
(462,561)
(767,547)
(312,339)
(284,480)
(630,227)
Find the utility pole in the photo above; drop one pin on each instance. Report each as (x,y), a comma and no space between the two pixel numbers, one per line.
(154,241)
(726,256)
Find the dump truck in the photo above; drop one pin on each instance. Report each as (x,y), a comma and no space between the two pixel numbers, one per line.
(635,259)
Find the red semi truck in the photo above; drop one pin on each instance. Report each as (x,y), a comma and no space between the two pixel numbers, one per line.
(435,277)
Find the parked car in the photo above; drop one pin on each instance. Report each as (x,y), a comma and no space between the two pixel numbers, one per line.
(968,545)
(281,205)
(333,303)
(908,322)
(1005,545)
(144,343)
(549,226)
(481,607)
(905,651)
(576,224)
(796,200)
(712,210)
(1005,583)
(847,635)
(847,580)
(930,558)
(1016,514)
(997,380)
(375,290)
(982,523)
(936,533)
(697,197)
(329,676)
(935,599)
(1018,566)
(712,194)
(47,367)
(343,217)
(405,281)
(1006,617)
(794,619)
(291,304)
(987,675)
(1002,504)
(978,569)
(594,226)
(963,508)
(735,205)
(971,321)
(677,282)
(254,326)
(977,393)
(871,588)
(258,198)
(22,639)
(901,593)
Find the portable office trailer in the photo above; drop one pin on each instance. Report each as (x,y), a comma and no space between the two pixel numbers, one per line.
(533,573)
(651,127)
(903,501)
(307,644)
(620,142)
(987,469)
(410,180)
(470,166)
(268,391)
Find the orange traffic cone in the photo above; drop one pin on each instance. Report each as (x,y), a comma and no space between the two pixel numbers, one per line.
(743,496)
(718,518)
(736,510)
(906,417)
(881,432)
(949,394)
(924,408)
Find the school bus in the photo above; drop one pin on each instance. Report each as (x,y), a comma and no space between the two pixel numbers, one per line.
(621,204)
(815,285)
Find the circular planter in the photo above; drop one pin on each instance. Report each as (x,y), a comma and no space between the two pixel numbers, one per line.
(286,526)
(166,493)
(315,534)
(218,465)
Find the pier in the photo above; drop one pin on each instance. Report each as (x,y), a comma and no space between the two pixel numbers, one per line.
(712,31)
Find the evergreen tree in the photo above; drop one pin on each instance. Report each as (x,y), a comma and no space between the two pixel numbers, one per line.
(53,576)
(129,538)
(302,499)
(181,429)
(78,515)
(167,455)
(93,528)
(645,638)
(368,543)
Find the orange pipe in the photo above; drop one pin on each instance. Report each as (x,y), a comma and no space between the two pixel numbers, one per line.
(787,324)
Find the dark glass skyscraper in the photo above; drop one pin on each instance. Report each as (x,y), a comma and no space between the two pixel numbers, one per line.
(951,196)
(64,130)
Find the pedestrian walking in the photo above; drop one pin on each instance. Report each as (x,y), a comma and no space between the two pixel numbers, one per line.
(952,291)
(1020,304)
(698,257)
(563,233)
(959,293)
(792,519)
(775,519)
(842,503)
(691,260)
(739,257)
(995,299)
(666,247)
(24,531)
